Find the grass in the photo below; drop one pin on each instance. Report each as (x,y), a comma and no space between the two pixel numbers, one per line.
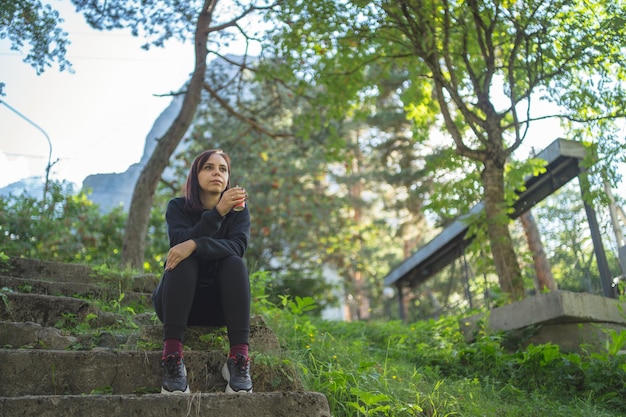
(390,368)
(427,369)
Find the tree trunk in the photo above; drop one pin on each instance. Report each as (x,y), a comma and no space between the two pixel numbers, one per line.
(613,211)
(135,233)
(361,297)
(504,256)
(543,272)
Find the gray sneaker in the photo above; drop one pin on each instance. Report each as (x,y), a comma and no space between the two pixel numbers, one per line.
(174,375)
(236,371)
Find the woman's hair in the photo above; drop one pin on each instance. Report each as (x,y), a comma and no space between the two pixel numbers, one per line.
(192,186)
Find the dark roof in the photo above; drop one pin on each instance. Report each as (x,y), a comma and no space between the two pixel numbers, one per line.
(562,157)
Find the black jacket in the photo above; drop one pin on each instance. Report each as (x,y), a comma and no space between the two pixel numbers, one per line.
(216,237)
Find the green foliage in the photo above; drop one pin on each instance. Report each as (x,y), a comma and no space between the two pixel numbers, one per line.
(427,369)
(32,23)
(97,239)
(302,203)
(299,305)
(106,390)
(5,299)
(159,22)
(392,368)
(616,342)
(471,70)
(68,227)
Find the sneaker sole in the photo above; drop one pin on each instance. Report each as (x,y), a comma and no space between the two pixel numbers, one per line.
(229,390)
(177,392)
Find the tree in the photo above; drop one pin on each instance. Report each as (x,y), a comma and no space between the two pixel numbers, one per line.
(29,22)
(543,273)
(207,25)
(475,69)
(300,201)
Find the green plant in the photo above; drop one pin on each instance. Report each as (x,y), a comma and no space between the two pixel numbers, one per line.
(25,288)
(370,403)
(215,340)
(146,390)
(299,305)
(146,345)
(106,390)
(427,369)
(91,317)
(67,321)
(5,299)
(615,342)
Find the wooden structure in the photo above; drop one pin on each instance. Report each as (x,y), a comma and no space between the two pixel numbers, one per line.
(563,163)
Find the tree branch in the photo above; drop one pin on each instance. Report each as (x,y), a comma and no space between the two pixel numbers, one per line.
(252,122)
(232,22)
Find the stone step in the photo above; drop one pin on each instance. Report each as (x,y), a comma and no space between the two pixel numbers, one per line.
(49,310)
(574,321)
(55,372)
(73,289)
(29,335)
(36,269)
(262,338)
(42,376)
(32,335)
(271,404)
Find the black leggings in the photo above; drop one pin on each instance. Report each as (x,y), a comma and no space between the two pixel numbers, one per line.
(221,299)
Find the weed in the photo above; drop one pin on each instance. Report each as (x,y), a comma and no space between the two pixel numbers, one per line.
(5,300)
(146,345)
(427,369)
(26,288)
(215,340)
(615,342)
(146,390)
(106,390)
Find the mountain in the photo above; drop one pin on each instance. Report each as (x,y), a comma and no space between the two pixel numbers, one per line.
(114,189)
(31,187)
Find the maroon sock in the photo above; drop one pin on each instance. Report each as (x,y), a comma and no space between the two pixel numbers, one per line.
(241,349)
(171,346)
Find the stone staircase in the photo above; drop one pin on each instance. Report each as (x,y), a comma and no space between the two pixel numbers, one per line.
(66,350)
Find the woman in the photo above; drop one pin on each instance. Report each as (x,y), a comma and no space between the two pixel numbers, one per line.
(206,282)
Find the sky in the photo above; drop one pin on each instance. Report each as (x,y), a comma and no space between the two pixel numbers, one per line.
(98,117)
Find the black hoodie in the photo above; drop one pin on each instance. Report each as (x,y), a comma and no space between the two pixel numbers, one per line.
(216,237)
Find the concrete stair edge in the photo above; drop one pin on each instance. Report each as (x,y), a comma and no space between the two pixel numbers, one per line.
(68,288)
(271,404)
(122,380)
(47,372)
(27,268)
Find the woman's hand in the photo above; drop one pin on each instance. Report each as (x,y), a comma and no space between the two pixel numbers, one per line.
(179,253)
(231,198)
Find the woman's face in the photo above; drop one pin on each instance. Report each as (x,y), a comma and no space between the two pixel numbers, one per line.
(213,175)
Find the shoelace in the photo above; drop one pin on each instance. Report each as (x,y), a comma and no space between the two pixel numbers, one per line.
(172,363)
(241,363)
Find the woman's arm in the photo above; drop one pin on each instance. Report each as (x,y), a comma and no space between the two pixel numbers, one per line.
(213,236)
(181,226)
(232,239)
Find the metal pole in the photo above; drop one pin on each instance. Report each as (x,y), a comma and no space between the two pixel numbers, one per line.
(598,247)
(401,302)
(45,188)
(466,282)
